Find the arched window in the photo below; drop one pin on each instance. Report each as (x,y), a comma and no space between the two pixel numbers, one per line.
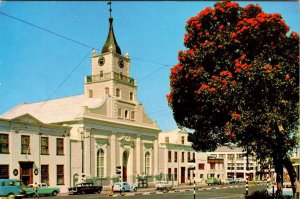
(147,163)
(118,92)
(100,163)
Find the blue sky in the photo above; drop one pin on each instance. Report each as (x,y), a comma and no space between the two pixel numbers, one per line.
(34,63)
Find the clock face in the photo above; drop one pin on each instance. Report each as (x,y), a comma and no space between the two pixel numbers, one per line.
(121,63)
(101,61)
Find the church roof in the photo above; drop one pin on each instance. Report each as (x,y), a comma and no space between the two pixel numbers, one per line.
(111,44)
(54,111)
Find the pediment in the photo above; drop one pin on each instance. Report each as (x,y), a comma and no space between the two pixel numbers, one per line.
(27,119)
(127,140)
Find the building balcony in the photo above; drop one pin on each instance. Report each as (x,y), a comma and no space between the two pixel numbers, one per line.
(110,76)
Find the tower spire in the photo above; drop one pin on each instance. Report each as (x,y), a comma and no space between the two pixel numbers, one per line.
(111,44)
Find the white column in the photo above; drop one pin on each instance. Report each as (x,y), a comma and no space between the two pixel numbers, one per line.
(87,152)
(113,155)
(155,157)
(138,155)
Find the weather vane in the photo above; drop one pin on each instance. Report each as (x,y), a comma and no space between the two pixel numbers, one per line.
(109,3)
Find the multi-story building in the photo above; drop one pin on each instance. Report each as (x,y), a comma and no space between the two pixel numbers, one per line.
(230,163)
(33,151)
(175,153)
(109,127)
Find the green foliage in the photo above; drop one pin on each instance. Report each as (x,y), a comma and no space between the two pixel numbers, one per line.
(238,80)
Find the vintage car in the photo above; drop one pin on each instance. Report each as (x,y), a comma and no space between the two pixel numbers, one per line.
(12,188)
(212,181)
(42,190)
(124,186)
(83,188)
(163,185)
(230,181)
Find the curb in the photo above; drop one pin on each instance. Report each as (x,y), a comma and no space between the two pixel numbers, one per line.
(176,191)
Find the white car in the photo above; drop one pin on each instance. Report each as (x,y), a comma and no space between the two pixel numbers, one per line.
(240,180)
(286,189)
(124,186)
(163,185)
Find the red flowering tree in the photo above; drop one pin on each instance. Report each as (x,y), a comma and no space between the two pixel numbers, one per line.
(238,82)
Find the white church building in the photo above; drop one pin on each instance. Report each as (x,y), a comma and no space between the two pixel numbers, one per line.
(102,129)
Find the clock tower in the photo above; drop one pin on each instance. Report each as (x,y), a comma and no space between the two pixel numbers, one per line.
(111,75)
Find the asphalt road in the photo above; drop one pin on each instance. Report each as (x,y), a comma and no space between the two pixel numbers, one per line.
(216,193)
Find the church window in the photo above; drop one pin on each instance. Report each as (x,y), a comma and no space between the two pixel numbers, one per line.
(90,93)
(100,163)
(131,96)
(126,114)
(132,115)
(182,139)
(166,139)
(118,92)
(101,73)
(147,163)
(106,91)
(25,144)
(169,156)
(119,112)
(4,143)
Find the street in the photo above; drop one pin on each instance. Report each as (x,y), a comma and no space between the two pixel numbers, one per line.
(214,192)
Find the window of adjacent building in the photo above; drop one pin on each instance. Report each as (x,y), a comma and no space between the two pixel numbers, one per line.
(240,156)
(45,174)
(119,112)
(166,139)
(106,91)
(189,156)
(175,174)
(212,166)
(59,146)
(131,96)
(201,166)
(230,166)
(44,146)
(182,156)
(194,158)
(169,156)
(100,163)
(222,156)
(25,144)
(169,174)
(126,114)
(175,156)
(147,163)
(182,139)
(132,115)
(90,93)
(251,166)
(101,73)
(4,171)
(201,176)
(4,143)
(60,175)
(118,92)
(230,156)
(240,166)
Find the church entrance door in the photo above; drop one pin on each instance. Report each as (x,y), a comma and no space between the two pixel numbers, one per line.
(125,164)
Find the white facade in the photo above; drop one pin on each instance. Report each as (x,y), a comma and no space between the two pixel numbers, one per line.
(175,152)
(29,150)
(108,126)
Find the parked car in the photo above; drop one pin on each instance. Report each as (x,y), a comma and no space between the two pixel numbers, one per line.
(212,181)
(240,180)
(286,189)
(12,187)
(124,186)
(230,181)
(83,188)
(43,190)
(163,185)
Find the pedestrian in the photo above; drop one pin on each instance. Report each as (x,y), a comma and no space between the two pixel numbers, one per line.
(36,188)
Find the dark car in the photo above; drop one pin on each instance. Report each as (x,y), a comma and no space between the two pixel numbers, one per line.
(83,188)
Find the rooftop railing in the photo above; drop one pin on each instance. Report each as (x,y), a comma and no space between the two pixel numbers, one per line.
(110,76)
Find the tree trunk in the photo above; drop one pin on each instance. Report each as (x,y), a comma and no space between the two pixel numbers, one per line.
(292,173)
(279,175)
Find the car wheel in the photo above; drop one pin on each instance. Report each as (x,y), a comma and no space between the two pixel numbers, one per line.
(82,192)
(123,189)
(164,189)
(135,189)
(54,193)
